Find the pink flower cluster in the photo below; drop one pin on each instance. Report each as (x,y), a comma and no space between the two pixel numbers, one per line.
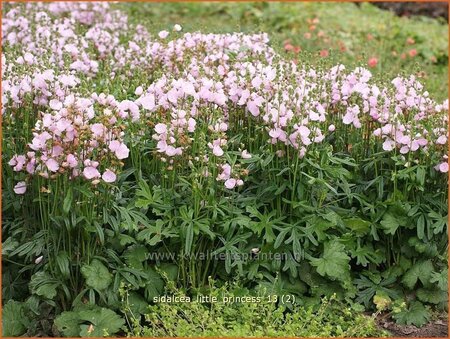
(196,90)
(80,137)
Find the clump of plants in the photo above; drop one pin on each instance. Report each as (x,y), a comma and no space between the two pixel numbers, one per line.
(209,155)
(259,316)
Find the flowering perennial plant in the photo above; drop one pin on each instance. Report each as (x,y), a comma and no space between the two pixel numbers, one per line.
(115,136)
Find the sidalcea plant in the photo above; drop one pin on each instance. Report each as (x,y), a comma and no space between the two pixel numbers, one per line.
(121,144)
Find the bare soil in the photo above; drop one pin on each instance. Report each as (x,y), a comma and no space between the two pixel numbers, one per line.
(437,328)
(431,9)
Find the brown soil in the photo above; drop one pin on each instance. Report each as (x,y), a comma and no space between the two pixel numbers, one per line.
(431,9)
(437,328)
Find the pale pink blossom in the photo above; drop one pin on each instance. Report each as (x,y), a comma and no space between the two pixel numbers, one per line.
(441,140)
(52,165)
(230,183)
(20,188)
(161,128)
(217,151)
(163,34)
(388,145)
(91,172)
(245,154)
(139,90)
(148,102)
(109,176)
(443,167)
(122,152)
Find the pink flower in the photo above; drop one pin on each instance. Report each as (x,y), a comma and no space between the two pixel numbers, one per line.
(20,188)
(412,53)
(324,53)
(230,183)
(139,90)
(127,105)
(372,62)
(18,161)
(275,132)
(256,82)
(404,149)
(388,145)
(217,151)
(122,152)
(161,128)
(162,146)
(98,129)
(114,145)
(55,104)
(331,128)
(443,167)
(441,140)
(39,141)
(28,57)
(253,108)
(148,102)
(91,172)
(245,154)
(72,161)
(226,172)
(109,176)
(422,141)
(52,165)
(191,125)
(172,151)
(349,117)
(120,149)
(163,34)
(304,131)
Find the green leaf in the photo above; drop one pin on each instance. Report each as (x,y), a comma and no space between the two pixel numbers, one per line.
(137,304)
(9,245)
(203,226)
(135,255)
(154,285)
(171,271)
(189,238)
(432,296)
(68,323)
(421,227)
(152,234)
(126,239)
(334,262)
(420,175)
(416,314)
(63,263)
(441,279)
(97,275)
(420,271)
(389,223)
(67,204)
(103,323)
(358,225)
(366,254)
(14,319)
(44,285)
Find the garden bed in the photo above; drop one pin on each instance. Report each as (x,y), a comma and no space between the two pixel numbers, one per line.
(167,177)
